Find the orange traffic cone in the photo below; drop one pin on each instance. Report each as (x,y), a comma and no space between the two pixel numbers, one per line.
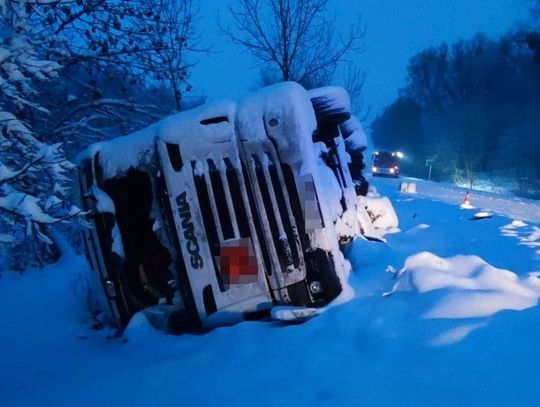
(467,200)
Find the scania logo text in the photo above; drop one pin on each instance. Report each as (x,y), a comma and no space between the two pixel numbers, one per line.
(192,244)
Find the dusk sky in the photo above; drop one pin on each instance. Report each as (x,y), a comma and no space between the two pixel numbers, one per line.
(396,30)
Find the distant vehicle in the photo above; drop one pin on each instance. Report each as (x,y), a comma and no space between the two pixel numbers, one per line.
(385,163)
(219,213)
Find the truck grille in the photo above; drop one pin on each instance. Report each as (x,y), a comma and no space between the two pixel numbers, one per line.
(242,219)
(209,217)
(220,198)
(257,222)
(224,208)
(284,234)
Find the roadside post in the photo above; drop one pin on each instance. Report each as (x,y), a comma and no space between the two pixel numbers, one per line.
(429,163)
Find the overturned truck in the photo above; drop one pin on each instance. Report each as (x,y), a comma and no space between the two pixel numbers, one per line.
(220,213)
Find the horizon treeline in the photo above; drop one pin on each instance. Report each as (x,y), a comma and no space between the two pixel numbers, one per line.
(473,108)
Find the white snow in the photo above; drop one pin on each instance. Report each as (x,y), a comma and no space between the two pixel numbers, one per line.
(6,238)
(26,206)
(482,215)
(295,314)
(104,203)
(470,287)
(51,202)
(517,223)
(288,119)
(6,172)
(380,211)
(336,94)
(117,245)
(327,182)
(517,208)
(455,335)
(357,140)
(460,329)
(120,154)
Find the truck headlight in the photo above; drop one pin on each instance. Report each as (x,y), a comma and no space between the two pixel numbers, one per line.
(315,287)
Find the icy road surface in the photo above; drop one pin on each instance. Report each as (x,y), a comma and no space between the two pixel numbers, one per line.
(445,314)
(519,208)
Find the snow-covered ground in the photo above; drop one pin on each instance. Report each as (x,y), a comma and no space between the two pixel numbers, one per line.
(445,313)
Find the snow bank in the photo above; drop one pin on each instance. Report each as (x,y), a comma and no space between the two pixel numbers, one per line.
(527,235)
(50,355)
(140,330)
(104,203)
(469,286)
(507,204)
(380,210)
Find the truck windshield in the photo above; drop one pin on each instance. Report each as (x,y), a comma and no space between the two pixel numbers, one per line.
(384,159)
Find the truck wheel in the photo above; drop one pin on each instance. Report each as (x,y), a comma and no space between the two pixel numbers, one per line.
(350,126)
(331,105)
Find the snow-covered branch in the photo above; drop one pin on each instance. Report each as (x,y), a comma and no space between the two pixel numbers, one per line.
(34,192)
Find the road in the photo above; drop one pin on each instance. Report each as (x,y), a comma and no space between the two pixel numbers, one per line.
(527,210)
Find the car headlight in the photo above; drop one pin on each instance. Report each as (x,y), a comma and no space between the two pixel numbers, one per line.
(374,169)
(392,170)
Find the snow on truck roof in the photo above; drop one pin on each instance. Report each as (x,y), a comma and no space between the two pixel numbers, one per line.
(282,111)
(120,154)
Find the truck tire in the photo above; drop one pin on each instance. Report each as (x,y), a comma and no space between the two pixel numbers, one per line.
(331,105)
(350,126)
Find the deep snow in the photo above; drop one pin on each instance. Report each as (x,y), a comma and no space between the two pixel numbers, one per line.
(375,350)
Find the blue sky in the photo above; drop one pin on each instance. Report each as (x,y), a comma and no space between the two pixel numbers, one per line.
(396,30)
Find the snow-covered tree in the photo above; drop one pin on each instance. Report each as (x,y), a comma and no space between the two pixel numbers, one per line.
(33,173)
(115,52)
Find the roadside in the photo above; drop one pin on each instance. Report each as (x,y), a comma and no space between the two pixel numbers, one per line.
(504,204)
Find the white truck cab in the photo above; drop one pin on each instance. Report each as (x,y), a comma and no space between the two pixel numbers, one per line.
(217,214)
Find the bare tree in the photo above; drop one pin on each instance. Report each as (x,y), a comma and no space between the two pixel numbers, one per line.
(173,37)
(295,36)
(354,80)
